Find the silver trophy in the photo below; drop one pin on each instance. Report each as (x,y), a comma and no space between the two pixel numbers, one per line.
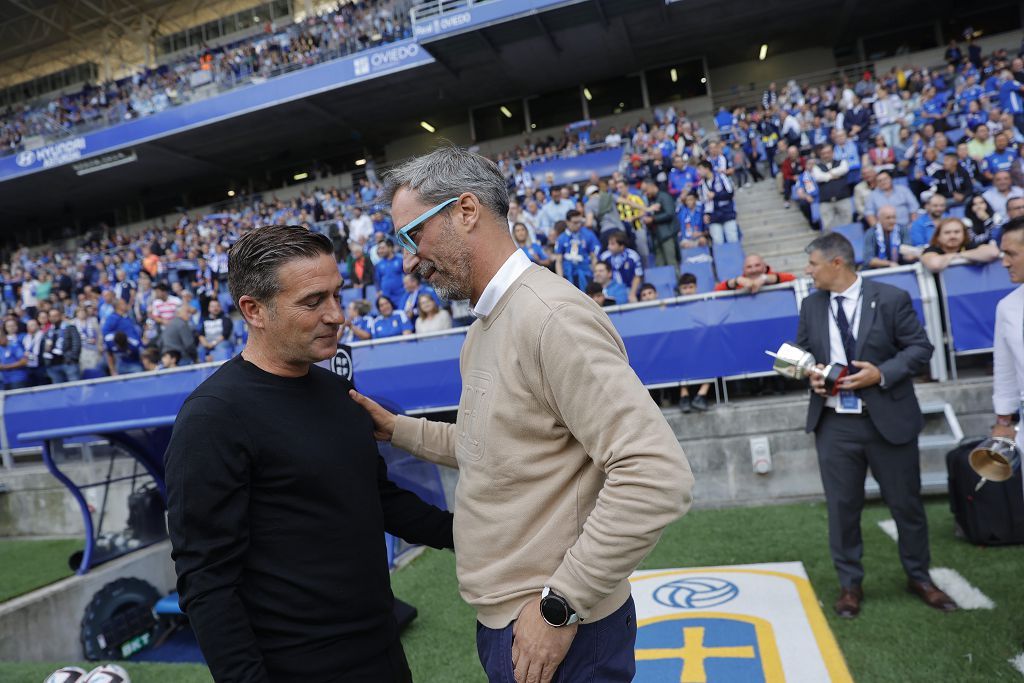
(793,362)
(995,459)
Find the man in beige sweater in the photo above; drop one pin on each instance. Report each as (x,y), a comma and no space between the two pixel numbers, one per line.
(568,472)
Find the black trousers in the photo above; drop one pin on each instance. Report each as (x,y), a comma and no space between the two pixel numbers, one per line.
(388,667)
(847,445)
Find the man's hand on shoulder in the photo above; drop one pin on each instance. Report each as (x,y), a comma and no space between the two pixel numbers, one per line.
(383,419)
(538,648)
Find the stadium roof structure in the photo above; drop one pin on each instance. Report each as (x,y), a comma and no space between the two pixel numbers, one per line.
(30,25)
(559,45)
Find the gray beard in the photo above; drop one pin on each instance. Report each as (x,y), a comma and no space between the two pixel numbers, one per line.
(446,289)
(450,291)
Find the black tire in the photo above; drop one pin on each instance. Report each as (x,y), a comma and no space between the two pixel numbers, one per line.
(121,610)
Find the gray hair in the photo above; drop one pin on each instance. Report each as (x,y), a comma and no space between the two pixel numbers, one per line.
(448,172)
(255,259)
(833,245)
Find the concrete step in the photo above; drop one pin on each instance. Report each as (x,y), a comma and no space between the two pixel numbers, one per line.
(762,218)
(788,263)
(771,230)
(761,202)
(777,244)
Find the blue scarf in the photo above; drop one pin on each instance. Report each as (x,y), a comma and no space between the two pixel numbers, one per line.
(893,253)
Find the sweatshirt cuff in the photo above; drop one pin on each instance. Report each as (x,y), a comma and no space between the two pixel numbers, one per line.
(565,584)
(407,434)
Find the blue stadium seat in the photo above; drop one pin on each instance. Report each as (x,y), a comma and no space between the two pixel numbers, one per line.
(664,278)
(728,260)
(971,293)
(349,295)
(725,122)
(855,233)
(955,135)
(699,262)
(956,211)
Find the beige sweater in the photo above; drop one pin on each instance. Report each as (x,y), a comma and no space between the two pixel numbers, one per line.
(568,472)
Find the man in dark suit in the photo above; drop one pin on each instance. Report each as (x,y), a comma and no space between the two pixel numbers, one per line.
(873,421)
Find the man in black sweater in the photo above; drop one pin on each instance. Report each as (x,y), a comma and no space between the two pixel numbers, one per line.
(278,499)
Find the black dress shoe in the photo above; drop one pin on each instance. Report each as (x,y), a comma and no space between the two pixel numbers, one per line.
(848,604)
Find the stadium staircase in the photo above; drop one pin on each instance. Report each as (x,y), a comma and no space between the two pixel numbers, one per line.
(771,230)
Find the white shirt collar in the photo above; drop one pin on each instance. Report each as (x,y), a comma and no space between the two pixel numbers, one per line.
(514,266)
(851,293)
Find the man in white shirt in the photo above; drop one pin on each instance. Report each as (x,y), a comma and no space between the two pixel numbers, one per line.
(613,139)
(531,219)
(360,227)
(1000,193)
(1008,354)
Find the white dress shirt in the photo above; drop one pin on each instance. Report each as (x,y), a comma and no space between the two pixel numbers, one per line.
(851,307)
(1008,356)
(514,266)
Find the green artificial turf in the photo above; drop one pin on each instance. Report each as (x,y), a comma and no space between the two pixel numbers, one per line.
(27,565)
(896,638)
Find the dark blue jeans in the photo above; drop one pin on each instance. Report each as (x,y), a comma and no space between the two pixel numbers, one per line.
(601,652)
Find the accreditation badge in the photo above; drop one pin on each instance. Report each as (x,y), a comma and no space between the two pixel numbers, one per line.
(849,403)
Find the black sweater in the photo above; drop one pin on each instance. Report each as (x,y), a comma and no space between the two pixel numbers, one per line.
(278,501)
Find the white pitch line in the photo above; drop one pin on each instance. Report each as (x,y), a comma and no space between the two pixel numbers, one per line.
(957,587)
(1018,663)
(950,581)
(889,527)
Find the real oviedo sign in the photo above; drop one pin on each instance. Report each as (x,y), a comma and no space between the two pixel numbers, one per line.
(386,58)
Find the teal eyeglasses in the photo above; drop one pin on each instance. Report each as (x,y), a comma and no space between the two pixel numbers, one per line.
(405,234)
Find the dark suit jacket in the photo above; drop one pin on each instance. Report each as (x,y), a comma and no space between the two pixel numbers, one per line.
(890,336)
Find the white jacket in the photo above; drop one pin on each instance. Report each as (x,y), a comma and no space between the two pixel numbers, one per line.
(1008,356)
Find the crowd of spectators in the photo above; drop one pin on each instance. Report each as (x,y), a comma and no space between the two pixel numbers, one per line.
(675,192)
(159,298)
(122,303)
(902,153)
(351,27)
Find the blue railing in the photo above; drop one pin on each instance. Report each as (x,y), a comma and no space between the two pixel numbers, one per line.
(722,334)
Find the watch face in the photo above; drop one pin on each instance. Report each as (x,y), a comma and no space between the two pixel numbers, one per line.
(554,610)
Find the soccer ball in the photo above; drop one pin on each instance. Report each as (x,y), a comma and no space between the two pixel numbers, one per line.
(107,673)
(65,674)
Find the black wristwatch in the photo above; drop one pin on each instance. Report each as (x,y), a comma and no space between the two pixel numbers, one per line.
(556,610)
